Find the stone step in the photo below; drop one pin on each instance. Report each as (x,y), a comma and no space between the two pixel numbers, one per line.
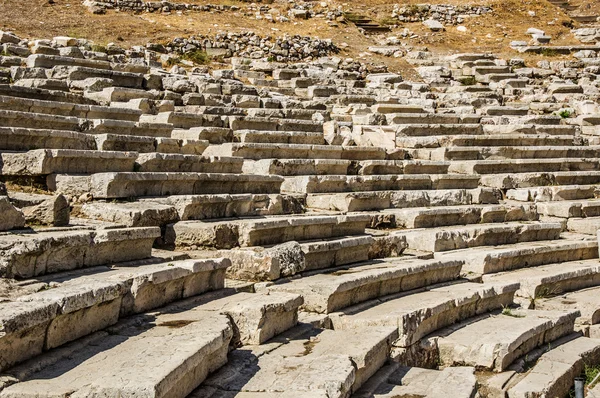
(495,167)
(10,118)
(268,124)
(435,120)
(225,234)
(553,193)
(24,139)
(120,79)
(430,217)
(554,373)
(530,128)
(426,130)
(588,226)
(48,161)
(525,180)
(309,363)
(343,183)
(493,342)
(570,209)
(394,380)
(296,167)
(42,94)
(551,279)
(279,137)
(421,312)
(491,259)
(510,152)
(367,167)
(587,301)
(214,135)
(212,206)
(328,292)
(442,239)
(286,113)
(184,120)
(500,140)
(135,185)
(135,143)
(117,94)
(290,258)
(26,254)
(72,306)
(380,200)
(68,109)
(127,128)
(190,340)
(506,110)
(258,151)
(172,162)
(50,61)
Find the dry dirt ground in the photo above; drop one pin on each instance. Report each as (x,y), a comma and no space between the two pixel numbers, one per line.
(489,33)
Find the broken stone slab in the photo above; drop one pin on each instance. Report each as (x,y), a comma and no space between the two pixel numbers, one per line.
(326,293)
(226,234)
(24,255)
(10,216)
(43,209)
(184,353)
(291,258)
(49,161)
(493,342)
(460,237)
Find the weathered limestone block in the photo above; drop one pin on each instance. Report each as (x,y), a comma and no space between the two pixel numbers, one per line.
(10,216)
(554,373)
(131,214)
(43,209)
(29,254)
(154,286)
(184,353)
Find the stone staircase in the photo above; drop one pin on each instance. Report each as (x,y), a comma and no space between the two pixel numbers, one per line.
(311,232)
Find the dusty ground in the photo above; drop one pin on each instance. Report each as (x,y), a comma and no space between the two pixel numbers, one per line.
(489,33)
